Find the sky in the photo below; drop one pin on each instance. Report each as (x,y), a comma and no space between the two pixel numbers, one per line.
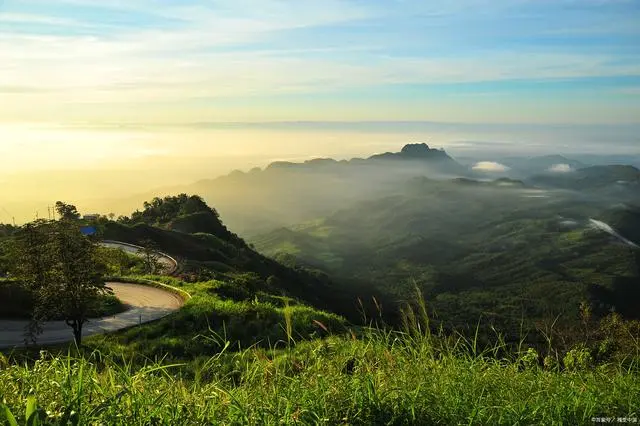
(88,84)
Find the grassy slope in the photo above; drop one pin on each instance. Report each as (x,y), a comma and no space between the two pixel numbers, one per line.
(237,293)
(230,310)
(376,379)
(227,258)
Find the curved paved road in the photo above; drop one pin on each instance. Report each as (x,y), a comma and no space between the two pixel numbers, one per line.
(146,304)
(169,264)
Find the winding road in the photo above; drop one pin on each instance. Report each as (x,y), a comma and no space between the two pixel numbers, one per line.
(145,304)
(169,264)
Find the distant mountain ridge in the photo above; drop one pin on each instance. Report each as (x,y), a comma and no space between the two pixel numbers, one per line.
(415,152)
(286,192)
(594,177)
(283,193)
(291,192)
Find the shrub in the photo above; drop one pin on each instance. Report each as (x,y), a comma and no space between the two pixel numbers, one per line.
(578,359)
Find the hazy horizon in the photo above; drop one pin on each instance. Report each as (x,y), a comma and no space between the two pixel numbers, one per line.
(111,99)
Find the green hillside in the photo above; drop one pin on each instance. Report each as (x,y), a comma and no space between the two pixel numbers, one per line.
(260,342)
(236,291)
(496,251)
(207,250)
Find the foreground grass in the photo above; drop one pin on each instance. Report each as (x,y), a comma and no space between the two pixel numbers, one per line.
(377,378)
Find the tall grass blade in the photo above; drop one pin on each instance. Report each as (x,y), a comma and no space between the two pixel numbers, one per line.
(8,416)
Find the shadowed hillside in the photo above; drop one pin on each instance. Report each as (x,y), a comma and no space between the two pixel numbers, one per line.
(502,250)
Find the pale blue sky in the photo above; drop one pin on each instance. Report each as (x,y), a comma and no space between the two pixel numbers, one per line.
(354,55)
(80,65)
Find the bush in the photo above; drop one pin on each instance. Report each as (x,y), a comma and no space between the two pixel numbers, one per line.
(578,359)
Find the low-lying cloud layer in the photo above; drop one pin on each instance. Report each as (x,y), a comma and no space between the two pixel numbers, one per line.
(560,168)
(490,166)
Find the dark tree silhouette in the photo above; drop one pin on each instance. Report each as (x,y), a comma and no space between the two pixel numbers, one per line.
(67,211)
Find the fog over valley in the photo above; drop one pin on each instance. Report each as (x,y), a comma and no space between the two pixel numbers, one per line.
(37,171)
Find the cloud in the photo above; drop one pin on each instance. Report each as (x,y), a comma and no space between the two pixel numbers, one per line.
(219,48)
(560,168)
(490,167)
(153,67)
(201,52)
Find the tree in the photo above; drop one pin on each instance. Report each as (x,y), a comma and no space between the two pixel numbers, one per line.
(150,257)
(7,230)
(116,261)
(161,211)
(31,263)
(81,282)
(67,211)
(30,255)
(58,266)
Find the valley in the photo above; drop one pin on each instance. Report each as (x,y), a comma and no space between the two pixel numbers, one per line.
(408,255)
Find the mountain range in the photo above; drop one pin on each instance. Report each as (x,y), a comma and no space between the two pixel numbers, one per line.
(284,192)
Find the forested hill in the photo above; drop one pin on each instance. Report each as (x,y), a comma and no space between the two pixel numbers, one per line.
(186,228)
(502,250)
(437,158)
(417,154)
(182,213)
